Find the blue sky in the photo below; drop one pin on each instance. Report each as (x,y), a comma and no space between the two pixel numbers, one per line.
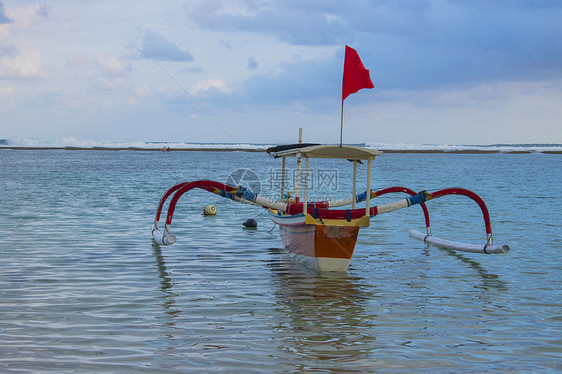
(446,72)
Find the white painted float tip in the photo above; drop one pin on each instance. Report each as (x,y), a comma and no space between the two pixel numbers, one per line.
(162,239)
(169,239)
(209,210)
(504,248)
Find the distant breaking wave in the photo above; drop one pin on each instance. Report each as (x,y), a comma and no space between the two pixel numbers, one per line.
(69,142)
(468,147)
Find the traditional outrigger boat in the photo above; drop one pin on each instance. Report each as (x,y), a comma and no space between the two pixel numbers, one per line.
(315,233)
(321,237)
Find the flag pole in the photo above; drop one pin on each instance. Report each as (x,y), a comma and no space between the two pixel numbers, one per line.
(342,99)
(341,126)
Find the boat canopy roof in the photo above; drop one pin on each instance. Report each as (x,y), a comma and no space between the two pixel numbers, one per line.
(345,152)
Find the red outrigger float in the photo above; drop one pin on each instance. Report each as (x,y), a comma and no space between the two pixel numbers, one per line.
(321,237)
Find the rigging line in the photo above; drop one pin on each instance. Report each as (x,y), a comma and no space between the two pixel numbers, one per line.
(396,71)
(274,224)
(196,102)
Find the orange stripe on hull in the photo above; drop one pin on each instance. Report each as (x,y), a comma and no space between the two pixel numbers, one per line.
(324,248)
(335,241)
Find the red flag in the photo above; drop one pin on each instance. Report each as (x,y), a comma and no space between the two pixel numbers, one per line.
(355,76)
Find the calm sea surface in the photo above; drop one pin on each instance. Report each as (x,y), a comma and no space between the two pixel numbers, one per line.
(84,289)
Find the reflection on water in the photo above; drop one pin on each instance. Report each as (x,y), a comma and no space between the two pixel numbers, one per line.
(168,296)
(489,280)
(323,316)
(166,281)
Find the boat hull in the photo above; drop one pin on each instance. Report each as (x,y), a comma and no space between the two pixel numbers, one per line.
(320,247)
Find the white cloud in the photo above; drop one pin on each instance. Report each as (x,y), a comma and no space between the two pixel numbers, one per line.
(112,65)
(75,60)
(19,62)
(112,83)
(22,67)
(143,90)
(4,31)
(503,112)
(24,16)
(44,10)
(209,84)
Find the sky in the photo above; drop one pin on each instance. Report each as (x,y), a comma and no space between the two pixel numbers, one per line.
(254,71)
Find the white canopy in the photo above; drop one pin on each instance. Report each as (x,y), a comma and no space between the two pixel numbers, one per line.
(346,152)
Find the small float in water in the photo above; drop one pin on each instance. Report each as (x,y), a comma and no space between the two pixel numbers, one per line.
(320,234)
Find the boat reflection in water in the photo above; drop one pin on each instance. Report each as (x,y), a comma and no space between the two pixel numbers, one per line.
(322,316)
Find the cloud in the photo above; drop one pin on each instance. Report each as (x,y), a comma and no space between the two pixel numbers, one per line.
(303,24)
(112,66)
(3,17)
(283,60)
(44,10)
(26,16)
(21,67)
(189,70)
(310,82)
(112,84)
(469,43)
(142,90)
(445,43)
(209,84)
(155,46)
(74,60)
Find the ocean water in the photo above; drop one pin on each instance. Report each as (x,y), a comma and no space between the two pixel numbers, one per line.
(83,288)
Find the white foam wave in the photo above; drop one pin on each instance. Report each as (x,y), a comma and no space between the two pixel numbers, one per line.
(80,143)
(463,147)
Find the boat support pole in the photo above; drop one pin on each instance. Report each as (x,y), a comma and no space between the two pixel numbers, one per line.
(423,196)
(239,194)
(354,193)
(489,248)
(306,164)
(368,197)
(282,179)
(410,192)
(298,176)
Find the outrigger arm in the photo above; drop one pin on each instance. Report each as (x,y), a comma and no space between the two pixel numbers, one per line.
(319,211)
